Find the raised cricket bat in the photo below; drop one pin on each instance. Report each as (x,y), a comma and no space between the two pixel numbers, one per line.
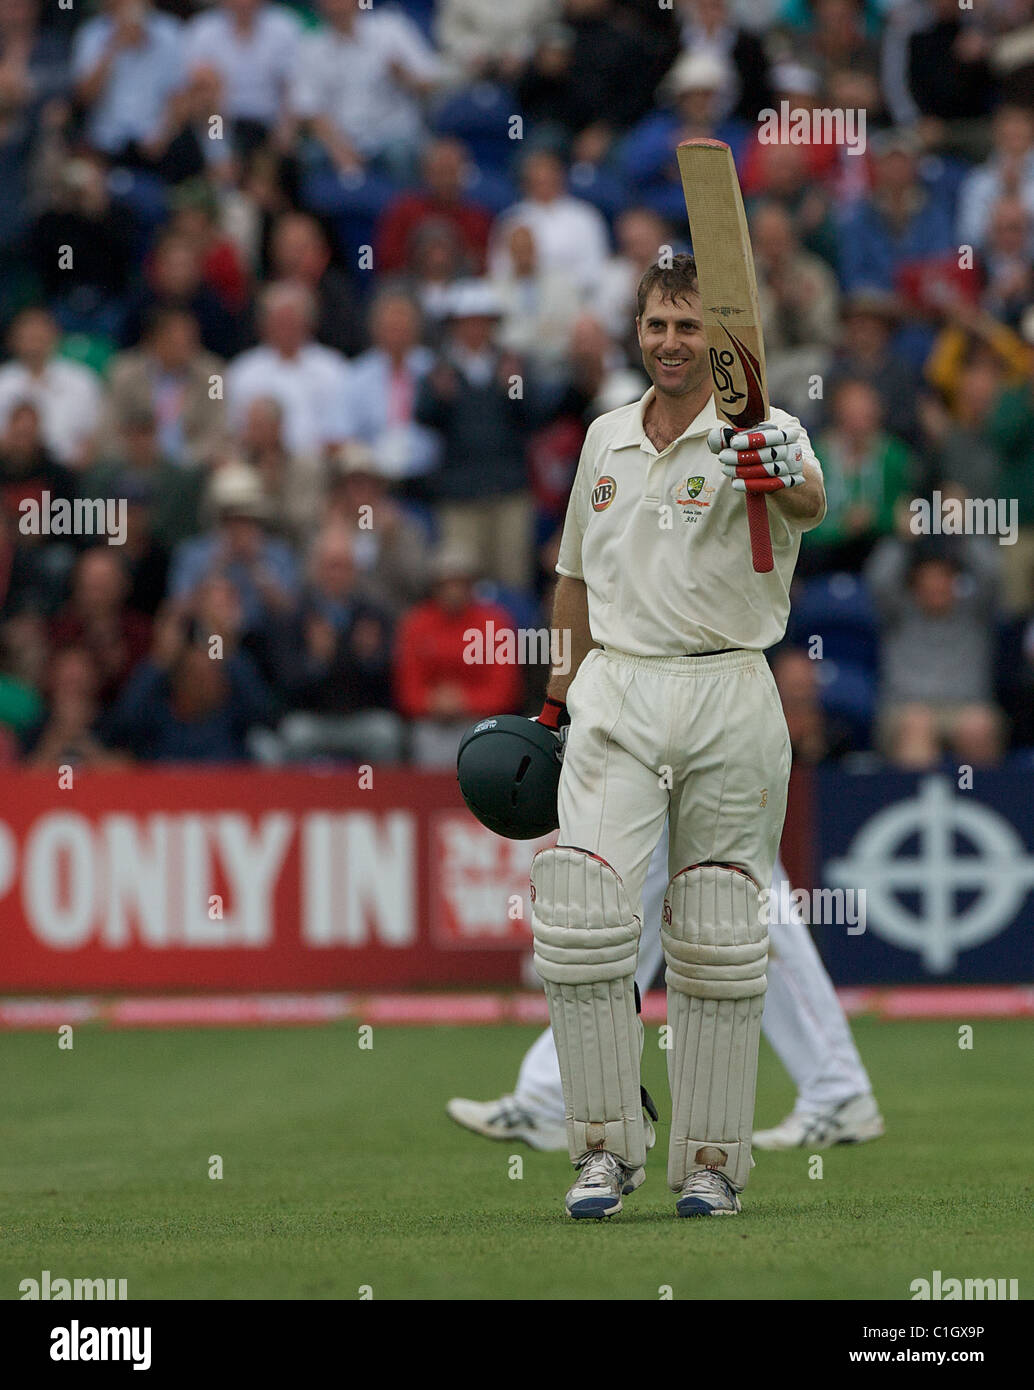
(729,291)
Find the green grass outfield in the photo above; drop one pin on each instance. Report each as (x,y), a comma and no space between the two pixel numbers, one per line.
(341,1170)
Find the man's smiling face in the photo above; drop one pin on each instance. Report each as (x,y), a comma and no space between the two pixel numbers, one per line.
(671,336)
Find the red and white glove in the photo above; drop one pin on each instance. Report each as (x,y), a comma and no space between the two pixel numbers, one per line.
(763,459)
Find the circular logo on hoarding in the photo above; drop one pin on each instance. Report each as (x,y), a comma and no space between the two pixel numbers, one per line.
(962,899)
(603,493)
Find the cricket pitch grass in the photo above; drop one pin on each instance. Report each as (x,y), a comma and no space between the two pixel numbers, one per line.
(342,1175)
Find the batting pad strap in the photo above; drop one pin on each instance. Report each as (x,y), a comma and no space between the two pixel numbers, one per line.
(586,946)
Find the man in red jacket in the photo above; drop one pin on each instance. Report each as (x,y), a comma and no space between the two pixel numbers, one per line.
(450,666)
(443,196)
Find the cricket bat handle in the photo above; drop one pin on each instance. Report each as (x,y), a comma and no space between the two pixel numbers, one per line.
(760,535)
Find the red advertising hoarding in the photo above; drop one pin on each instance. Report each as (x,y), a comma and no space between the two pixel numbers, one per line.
(254,879)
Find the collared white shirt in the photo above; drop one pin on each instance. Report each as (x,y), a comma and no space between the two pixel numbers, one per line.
(348,78)
(570,238)
(255,65)
(140,81)
(67,397)
(661,541)
(312,390)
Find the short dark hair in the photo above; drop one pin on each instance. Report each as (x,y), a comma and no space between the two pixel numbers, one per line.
(675,281)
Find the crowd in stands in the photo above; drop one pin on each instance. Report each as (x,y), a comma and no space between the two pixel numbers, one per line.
(324,297)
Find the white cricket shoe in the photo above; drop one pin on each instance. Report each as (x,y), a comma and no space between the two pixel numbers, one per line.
(508,1118)
(708,1193)
(602,1181)
(853,1121)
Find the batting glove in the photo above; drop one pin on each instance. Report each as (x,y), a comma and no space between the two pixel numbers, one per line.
(763,459)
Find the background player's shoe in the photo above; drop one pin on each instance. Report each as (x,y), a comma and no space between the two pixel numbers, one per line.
(507,1118)
(707,1193)
(602,1181)
(853,1121)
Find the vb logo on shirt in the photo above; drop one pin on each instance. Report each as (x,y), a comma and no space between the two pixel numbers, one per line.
(603,494)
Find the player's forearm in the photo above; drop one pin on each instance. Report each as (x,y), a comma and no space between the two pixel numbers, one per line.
(807,502)
(571,620)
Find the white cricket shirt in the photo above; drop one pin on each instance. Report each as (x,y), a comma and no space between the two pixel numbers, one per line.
(661,541)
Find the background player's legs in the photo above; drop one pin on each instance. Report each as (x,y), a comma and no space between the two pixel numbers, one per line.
(804,1020)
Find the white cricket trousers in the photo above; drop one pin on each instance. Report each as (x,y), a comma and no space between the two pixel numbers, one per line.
(699,741)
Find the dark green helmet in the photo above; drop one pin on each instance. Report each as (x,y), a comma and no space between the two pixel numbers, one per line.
(509,772)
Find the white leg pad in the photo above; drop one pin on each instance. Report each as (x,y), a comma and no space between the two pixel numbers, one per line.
(717,949)
(586,944)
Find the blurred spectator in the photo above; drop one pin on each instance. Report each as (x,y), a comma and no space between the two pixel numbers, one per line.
(1008,173)
(33,60)
(814,737)
(98,619)
(800,88)
(81,250)
(835,39)
(1009,290)
(709,31)
(300,254)
(331,657)
(937,606)
(293,485)
(957,442)
(782,176)
(538,307)
(358,84)
(445,672)
(797,292)
(184,705)
(175,279)
(570,235)
(865,353)
(252,45)
(480,40)
(136,464)
(436,262)
(389,548)
(69,733)
(480,401)
(1011,431)
(310,381)
(866,471)
(261,568)
(145,557)
(647,155)
(21,705)
(383,387)
(935,70)
(970,332)
(196,217)
(28,470)
(171,376)
(902,227)
(445,170)
(67,396)
(185,146)
(576,86)
(127,64)
(641,234)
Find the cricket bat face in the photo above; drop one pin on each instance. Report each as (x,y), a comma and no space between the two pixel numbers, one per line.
(729,296)
(728,287)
